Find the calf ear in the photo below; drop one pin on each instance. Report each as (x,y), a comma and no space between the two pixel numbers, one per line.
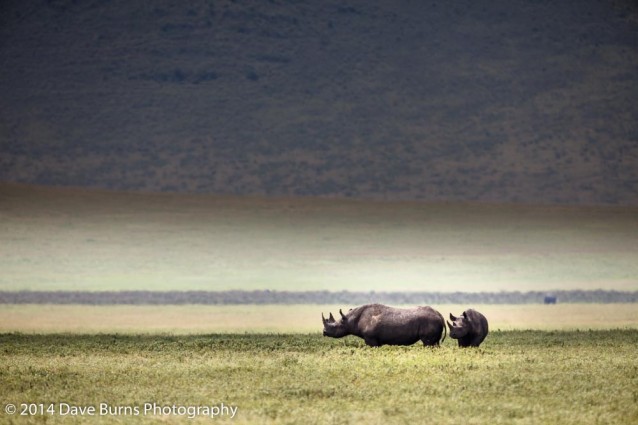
(452,318)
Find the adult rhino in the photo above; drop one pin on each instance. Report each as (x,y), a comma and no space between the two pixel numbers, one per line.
(470,328)
(380,325)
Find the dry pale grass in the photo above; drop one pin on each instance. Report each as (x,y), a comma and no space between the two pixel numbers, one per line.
(193,319)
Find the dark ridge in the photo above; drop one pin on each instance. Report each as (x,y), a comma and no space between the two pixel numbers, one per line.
(309,297)
(493,101)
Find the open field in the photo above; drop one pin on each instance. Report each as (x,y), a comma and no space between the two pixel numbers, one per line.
(516,377)
(196,319)
(67,239)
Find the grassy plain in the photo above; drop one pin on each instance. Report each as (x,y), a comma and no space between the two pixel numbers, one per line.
(516,377)
(271,361)
(197,319)
(68,239)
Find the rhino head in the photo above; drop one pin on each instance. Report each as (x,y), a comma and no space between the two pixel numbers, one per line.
(459,327)
(334,328)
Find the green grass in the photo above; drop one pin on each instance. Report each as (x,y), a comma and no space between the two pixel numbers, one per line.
(515,377)
(54,239)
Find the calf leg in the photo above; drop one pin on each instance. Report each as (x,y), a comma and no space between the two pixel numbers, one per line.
(477,341)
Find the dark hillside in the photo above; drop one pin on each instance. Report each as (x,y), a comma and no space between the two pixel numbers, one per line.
(529,101)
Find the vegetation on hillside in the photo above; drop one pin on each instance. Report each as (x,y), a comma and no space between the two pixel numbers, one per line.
(505,100)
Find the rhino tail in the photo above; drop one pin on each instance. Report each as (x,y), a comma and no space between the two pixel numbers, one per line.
(444,333)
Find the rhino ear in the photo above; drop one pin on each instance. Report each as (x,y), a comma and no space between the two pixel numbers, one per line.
(452,318)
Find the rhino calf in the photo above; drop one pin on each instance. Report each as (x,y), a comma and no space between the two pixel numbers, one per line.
(470,328)
(380,325)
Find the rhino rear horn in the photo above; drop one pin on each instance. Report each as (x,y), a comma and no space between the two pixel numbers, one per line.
(343,316)
(323,318)
(452,318)
(331,318)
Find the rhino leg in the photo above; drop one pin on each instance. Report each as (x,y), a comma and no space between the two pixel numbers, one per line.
(430,342)
(477,341)
(371,342)
(465,342)
(471,341)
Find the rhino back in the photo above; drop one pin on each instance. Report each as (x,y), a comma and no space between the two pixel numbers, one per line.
(390,323)
(478,322)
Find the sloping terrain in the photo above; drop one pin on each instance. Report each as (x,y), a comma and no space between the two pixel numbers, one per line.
(79,240)
(500,101)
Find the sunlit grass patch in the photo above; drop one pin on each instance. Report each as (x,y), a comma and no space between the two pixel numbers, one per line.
(192,319)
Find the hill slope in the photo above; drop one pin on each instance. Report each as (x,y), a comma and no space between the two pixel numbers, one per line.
(82,240)
(506,101)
